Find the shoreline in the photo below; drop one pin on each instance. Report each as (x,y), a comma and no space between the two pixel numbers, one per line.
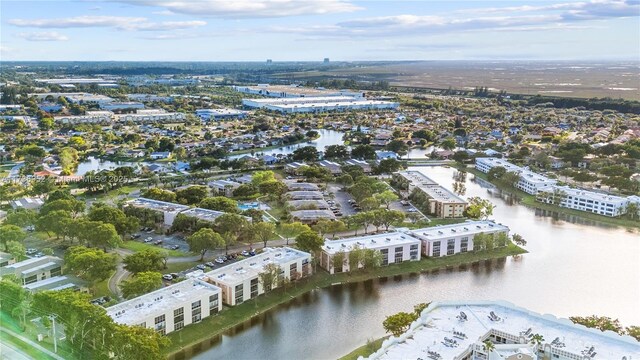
(231,317)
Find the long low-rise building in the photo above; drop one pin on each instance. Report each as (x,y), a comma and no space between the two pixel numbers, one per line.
(452,239)
(220,114)
(338,106)
(151,116)
(264,103)
(170,308)
(439,201)
(34,269)
(547,190)
(395,247)
(126,105)
(312,216)
(90,117)
(168,211)
(241,281)
(295,91)
(309,204)
(462,330)
(304,195)
(58,283)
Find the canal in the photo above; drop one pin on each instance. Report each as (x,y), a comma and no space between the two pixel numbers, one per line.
(575,267)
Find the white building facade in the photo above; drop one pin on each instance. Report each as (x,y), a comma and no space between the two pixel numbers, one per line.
(447,240)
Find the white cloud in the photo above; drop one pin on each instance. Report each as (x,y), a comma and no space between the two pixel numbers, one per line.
(117,22)
(43,36)
(250,8)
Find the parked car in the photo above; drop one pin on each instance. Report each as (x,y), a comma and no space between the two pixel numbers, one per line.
(157,242)
(201,267)
(219,260)
(174,247)
(31,251)
(174,275)
(39,254)
(210,264)
(244,253)
(252,253)
(167,277)
(135,236)
(149,239)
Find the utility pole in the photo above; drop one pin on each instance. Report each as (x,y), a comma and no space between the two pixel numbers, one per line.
(55,336)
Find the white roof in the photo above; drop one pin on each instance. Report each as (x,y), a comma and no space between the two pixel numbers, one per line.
(249,268)
(203,214)
(137,310)
(346,103)
(439,320)
(157,205)
(301,100)
(465,228)
(591,195)
(33,262)
(369,242)
(430,187)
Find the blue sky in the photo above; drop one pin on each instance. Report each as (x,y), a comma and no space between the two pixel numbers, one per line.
(254,30)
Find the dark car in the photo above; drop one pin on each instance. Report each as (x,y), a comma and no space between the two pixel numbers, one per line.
(157,242)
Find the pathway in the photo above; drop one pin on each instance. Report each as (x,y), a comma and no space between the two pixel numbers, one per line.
(31,343)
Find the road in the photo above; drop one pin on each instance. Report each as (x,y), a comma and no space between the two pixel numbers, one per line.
(28,342)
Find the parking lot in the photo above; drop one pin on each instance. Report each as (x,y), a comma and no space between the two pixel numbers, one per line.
(169,242)
(220,261)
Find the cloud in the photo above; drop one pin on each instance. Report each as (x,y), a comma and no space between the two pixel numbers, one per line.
(43,36)
(250,8)
(117,22)
(522,18)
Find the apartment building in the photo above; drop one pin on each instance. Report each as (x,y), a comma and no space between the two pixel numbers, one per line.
(265,103)
(312,216)
(366,167)
(333,167)
(167,210)
(440,201)
(90,117)
(223,187)
(150,97)
(220,114)
(170,308)
(452,239)
(530,182)
(304,195)
(57,283)
(295,91)
(241,281)
(395,247)
(205,214)
(125,105)
(152,116)
(458,331)
(6,259)
(34,269)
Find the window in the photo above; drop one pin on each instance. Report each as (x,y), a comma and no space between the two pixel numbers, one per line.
(464,244)
(293,268)
(436,248)
(398,254)
(213,304)
(239,293)
(160,325)
(56,271)
(31,279)
(196,311)
(254,288)
(451,246)
(385,256)
(178,319)
(414,252)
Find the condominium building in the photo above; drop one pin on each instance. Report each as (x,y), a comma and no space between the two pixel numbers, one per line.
(90,117)
(295,91)
(547,190)
(452,239)
(57,283)
(205,214)
(264,103)
(170,308)
(440,201)
(34,269)
(304,195)
(312,216)
(150,97)
(241,281)
(333,167)
(460,330)
(151,116)
(338,106)
(395,247)
(529,182)
(366,167)
(86,98)
(309,204)
(223,187)
(167,210)
(6,259)
(127,105)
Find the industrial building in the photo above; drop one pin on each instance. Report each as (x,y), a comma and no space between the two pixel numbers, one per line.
(220,114)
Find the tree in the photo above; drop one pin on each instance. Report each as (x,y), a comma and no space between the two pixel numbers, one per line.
(518,240)
(269,276)
(21,218)
(11,233)
(51,222)
(496,173)
(336,152)
(105,236)
(292,230)
(460,156)
(632,210)
(536,339)
(204,240)
(72,206)
(116,217)
(364,152)
(141,284)
(43,186)
(306,153)
(337,261)
(601,323)
(479,208)
(345,180)
(245,191)
(145,260)
(15,248)
(273,188)
(260,177)
(335,227)
(309,241)
(448,144)
(89,263)
(192,195)
(387,217)
(488,346)
(388,166)
(397,146)
(322,226)
(220,203)
(136,342)
(371,259)
(160,195)
(634,332)
(479,242)
(398,323)
(510,178)
(386,197)
(263,231)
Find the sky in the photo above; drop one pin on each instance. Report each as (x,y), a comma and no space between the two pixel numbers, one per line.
(302,30)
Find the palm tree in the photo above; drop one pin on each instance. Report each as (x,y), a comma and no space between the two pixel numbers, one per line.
(488,346)
(536,339)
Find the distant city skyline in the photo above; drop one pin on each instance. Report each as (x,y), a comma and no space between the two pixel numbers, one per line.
(342,30)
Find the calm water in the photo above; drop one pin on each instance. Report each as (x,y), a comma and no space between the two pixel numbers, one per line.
(327,137)
(93,164)
(574,267)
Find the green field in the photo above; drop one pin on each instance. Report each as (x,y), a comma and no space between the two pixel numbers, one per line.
(138,246)
(365,350)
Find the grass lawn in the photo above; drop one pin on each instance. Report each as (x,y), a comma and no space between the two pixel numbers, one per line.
(365,350)
(138,246)
(102,288)
(530,200)
(180,266)
(232,316)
